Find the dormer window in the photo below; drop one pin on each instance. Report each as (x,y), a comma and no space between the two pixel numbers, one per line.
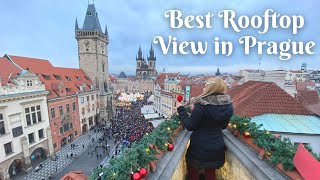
(78,78)
(68,78)
(57,77)
(68,89)
(46,77)
(89,13)
(29,83)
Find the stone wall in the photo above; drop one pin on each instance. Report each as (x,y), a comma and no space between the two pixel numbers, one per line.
(241,163)
(233,169)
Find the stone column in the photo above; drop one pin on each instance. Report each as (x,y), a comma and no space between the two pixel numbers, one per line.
(49,141)
(26,153)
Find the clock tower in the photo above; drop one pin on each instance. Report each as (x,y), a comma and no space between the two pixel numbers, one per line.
(93,57)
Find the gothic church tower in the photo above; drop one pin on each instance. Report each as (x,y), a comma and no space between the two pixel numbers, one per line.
(93,57)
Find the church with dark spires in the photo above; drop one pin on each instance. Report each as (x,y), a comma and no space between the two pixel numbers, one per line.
(146,69)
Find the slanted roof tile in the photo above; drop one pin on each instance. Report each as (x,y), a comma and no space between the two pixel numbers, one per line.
(254,98)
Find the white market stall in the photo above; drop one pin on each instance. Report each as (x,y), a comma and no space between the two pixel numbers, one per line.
(151,116)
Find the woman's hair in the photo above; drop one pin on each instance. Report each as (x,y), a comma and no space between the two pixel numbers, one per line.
(213,85)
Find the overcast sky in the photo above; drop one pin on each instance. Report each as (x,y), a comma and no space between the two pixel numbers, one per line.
(45,29)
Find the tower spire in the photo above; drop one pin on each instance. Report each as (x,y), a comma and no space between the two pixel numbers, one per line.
(139,54)
(106,31)
(76,28)
(151,54)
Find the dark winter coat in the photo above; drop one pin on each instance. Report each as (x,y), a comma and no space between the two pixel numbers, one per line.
(210,115)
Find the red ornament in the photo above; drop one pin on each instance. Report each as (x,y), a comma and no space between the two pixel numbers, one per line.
(136,176)
(179,98)
(151,146)
(170,147)
(143,172)
(246,134)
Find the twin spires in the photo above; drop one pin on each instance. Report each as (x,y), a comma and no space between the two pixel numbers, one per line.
(151,55)
(91,21)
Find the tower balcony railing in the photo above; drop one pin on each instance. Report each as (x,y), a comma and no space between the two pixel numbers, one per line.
(241,162)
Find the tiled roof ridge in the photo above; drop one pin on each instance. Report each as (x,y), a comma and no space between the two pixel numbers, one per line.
(258,97)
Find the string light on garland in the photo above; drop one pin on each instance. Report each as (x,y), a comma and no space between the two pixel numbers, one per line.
(230,124)
(147,150)
(234,126)
(168,128)
(268,153)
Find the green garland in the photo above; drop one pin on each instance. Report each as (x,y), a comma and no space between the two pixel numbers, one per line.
(140,154)
(280,149)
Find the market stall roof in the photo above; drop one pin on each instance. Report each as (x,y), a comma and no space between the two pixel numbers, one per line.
(151,98)
(147,109)
(156,123)
(151,116)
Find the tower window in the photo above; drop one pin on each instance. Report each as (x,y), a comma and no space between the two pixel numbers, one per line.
(102,67)
(89,13)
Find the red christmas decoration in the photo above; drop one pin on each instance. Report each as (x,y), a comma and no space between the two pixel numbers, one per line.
(143,172)
(246,134)
(151,146)
(170,147)
(179,98)
(135,176)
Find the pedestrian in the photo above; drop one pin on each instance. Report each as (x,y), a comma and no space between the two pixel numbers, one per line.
(211,113)
(97,156)
(82,146)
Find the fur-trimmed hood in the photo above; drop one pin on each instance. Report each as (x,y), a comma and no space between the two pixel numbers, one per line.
(214,99)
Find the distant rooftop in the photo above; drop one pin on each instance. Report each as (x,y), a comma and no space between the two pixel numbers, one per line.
(122,75)
(287,123)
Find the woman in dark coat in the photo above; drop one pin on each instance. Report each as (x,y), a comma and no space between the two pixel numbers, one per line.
(211,113)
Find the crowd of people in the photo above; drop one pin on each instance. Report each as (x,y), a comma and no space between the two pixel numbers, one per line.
(130,124)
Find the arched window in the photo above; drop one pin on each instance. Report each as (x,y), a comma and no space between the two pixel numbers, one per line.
(89,13)
(102,67)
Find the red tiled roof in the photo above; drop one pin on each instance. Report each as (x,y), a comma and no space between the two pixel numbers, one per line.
(42,67)
(196,90)
(75,175)
(255,98)
(7,69)
(315,108)
(112,78)
(308,97)
(301,86)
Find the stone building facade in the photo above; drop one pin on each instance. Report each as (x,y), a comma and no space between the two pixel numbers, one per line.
(25,136)
(88,109)
(64,86)
(93,57)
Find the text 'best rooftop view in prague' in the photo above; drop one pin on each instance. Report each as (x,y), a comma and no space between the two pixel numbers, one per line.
(154,90)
